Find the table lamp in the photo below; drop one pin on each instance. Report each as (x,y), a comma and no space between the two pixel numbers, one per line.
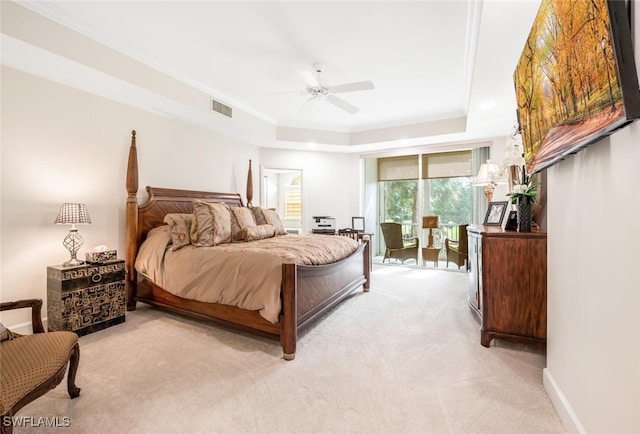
(73,213)
(430,222)
(489,177)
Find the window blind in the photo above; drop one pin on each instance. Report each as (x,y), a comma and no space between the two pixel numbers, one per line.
(398,168)
(446,165)
(293,204)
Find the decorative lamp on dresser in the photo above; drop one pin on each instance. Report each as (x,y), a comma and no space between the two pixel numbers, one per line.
(85,298)
(508,283)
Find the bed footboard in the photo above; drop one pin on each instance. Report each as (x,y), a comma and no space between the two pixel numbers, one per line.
(308,292)
(289,317)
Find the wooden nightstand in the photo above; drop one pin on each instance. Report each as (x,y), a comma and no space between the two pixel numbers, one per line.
(86,298)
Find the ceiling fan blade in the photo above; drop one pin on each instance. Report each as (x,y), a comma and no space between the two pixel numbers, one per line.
(339,102)
(351,87)
(308,78)
(305,107)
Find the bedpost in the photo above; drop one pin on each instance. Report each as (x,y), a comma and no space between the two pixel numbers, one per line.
(367,262)
(289,319)
(131,247)
(249,186)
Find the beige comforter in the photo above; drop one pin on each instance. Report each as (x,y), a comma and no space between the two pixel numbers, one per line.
(243,274)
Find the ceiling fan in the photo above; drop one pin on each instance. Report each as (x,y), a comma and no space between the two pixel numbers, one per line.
(319,90)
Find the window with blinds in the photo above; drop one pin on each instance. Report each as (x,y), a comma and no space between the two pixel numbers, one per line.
(293,203)
(398,168)
(439,165)
(446,165)
(425,184)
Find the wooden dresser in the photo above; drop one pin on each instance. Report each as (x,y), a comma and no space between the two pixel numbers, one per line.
(508,283)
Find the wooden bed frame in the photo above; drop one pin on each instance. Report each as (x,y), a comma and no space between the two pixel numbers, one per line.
(307,292)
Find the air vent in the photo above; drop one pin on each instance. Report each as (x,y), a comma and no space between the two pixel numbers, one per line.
(221,108)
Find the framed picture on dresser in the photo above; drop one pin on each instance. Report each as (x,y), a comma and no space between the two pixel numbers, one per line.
(495,213)
(511,221)
(357,224)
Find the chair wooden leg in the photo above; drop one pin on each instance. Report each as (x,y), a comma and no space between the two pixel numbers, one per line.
(74,361)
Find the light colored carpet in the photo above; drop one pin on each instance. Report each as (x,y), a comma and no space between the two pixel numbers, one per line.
(403,358)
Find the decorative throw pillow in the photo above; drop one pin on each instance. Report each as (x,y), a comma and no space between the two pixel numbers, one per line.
(272,218)
(257,213)
(241,218)
(259,232)
(211,224)
(4,333)
(180,227)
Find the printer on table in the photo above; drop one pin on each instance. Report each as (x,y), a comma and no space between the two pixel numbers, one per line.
(323,225)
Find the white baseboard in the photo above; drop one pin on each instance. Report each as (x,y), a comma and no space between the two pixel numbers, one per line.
(562,406)
(26,328)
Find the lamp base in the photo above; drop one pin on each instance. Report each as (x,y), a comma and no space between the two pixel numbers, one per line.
(430,239)
(73,263)
(72,242)
(488,192)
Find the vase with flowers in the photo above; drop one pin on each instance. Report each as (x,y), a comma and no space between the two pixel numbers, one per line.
(524,195)
(523,191)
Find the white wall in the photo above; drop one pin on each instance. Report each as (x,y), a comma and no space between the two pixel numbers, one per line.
(593,254)
(60,145)
(593,349)
(330,182)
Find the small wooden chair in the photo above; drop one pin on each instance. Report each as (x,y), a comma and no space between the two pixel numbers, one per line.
(397,247)
(458,251)
(31,365)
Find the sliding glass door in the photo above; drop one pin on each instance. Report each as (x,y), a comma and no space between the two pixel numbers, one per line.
(399,200)
(440,184)
(451,200)
(448,190)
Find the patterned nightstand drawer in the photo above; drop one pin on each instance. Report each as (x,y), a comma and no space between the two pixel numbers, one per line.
(86,298)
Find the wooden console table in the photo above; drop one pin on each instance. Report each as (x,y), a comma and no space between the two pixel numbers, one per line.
(508,283)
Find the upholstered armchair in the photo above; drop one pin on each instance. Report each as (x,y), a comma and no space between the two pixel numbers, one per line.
(31,365)
(397,247)
(458,250)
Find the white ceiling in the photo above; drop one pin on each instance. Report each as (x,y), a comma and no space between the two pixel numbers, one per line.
(429,60)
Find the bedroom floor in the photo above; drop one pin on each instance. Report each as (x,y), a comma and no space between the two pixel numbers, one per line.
(429,265)
(403,358)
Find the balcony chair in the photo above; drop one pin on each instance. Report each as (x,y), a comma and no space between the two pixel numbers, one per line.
(31,365)
(457,251)
(398,247)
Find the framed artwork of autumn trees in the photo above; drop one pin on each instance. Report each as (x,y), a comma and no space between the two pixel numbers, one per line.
(576,79)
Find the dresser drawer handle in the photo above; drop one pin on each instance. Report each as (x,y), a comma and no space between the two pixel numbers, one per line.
(95,278)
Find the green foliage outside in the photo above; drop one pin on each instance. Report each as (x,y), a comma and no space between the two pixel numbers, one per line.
(449,198)
(399,201)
